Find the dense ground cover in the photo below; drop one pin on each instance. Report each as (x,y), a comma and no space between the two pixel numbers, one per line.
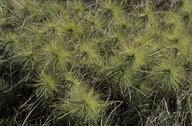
(96,63)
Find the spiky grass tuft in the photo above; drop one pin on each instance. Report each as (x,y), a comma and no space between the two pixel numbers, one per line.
(86,55)
(94,23)
(118,74)
(148,16)
(123,24)
(173,21)
(25,8)
(72,29)
(111,9)
(133,57)
(10,41)
(27,56)
(46,86)
(167,76)
(54,29)
(180,42)
(82,104)
(54,56)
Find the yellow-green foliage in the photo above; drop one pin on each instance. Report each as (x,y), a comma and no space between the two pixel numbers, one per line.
(81,103)
(46,86)
(95,62)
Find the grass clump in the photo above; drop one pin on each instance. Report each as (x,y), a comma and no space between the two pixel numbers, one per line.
(111,9)
(81,104)
(54,56)
(168,76)
(46,86)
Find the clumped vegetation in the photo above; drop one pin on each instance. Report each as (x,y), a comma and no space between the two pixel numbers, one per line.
(95,63)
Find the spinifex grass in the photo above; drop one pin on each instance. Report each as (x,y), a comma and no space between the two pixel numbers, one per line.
(110,62)
(81,103)
(168,76)
(46,86)
(54,56)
